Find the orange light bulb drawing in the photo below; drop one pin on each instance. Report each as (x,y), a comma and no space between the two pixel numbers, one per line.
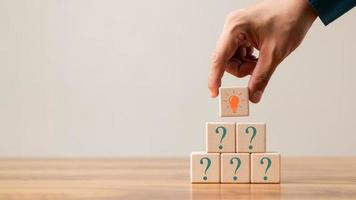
(234,103)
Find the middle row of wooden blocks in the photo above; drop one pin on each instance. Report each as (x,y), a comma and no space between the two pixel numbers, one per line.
(229,137)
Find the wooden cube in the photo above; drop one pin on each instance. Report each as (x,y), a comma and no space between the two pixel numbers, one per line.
(220,137)
(204,167)
(250,137)
(265,168)
(234,101)
(235,168)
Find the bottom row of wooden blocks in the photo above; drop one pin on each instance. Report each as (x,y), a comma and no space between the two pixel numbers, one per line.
(235,167)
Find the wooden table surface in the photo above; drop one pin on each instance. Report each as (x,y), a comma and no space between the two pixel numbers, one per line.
(99,179)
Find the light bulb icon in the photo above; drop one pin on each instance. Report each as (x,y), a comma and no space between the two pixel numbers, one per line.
(234,103)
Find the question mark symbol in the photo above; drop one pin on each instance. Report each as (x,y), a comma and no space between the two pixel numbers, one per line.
(207,166)
(237,166)
(254,132)
(224,131)
(269,163)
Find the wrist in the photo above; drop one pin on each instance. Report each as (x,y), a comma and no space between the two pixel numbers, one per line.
(309,12)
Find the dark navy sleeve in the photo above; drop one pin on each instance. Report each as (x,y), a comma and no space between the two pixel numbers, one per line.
(329,10)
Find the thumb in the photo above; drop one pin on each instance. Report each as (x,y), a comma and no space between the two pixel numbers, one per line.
(262,73)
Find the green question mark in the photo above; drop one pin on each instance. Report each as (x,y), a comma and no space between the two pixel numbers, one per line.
(269,163)
(254,132)
(237,166)
(207,166)
(222,136)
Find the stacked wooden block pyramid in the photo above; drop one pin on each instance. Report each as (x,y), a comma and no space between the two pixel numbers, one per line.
(235,152)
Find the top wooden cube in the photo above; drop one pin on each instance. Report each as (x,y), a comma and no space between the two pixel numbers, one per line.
(234,101)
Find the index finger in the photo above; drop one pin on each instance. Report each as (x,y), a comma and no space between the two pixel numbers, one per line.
(226,47)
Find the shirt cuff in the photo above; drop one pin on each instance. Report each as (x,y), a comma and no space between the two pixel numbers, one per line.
(329,10)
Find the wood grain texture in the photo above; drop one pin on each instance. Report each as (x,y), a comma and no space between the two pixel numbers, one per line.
(99,179)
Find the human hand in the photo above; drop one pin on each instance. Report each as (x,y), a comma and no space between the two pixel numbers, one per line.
(274,27)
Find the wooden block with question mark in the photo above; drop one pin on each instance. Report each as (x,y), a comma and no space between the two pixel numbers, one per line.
(234,101)
(204,167)
(235,168)
(250,137)
(265,168)
(220,137)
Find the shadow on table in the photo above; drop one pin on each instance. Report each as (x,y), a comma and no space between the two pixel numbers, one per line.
(235,191)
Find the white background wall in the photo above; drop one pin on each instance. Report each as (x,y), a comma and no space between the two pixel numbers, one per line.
(129,78)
